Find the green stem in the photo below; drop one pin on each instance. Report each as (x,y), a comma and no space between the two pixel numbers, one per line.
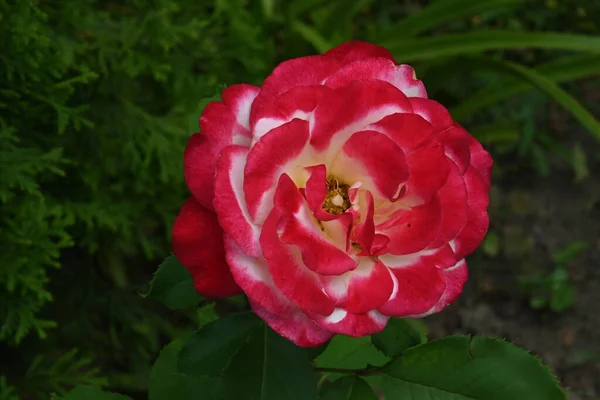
(362,372)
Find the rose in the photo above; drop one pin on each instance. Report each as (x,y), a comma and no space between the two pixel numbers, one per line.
(334,196)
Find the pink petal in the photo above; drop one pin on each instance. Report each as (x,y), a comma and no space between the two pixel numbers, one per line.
(377,158)
(412,230)
(299,284)
(409,131)
(230,203)
(198,245)
(428,169)
(267,160)
(351,51)
(455,278)
(475,229)
(221,125)
(365,231)
(303,71)
(252,275)
(419,287)
(316,191)
(361,290)
(349,109)
(481,161)
(433,112)
(456,146)
(356,325)
(299,229)
(298,102)
(453,204)
(297,327)
(401,76)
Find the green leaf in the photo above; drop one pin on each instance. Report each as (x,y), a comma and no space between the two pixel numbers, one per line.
(580,164)
(347,388)
(456,44)
(569,252)
(440,12)
(469,368)
(398,335)
(340,16)
(269,367)
(173,286)
(556,92)
(561,70)
(92,393)
(209,350)
(166,383)
(351,353)
(311,35)
(562,297)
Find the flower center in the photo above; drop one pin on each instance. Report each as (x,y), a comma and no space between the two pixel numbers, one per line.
(336,200)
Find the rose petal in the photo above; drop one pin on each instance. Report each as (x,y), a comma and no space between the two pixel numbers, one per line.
(409,131)
(401,76)
(252,275)
(221,125)
(267,160)
(428,169)
(296,327)
(433,112)
(361,290)
(419,288)
(455,277)
(356,50)
(481,161)
(477,224)
(370,156)
(198,245)
(456,146)
(412,230)
(229,200)
(298,102)
(299,284)
(300,229)
(349,109)
(355,325)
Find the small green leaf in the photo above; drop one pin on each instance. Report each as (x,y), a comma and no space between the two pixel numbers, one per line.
(580,165)
(209,350)
(398,335)
(173,286)
(92,393)
(562,297)
(311,35)
(268,367)
(351,353)
(476,42)
(440,12)
(347,388)
(166,383)
(469,368)
(491,244)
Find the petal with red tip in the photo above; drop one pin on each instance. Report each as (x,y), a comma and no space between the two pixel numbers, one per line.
(299,229)
(477,224)
(267,159)
(433,112)
(418,288)
(412,230)
(372,156)
(428,169)
(481,161)
(229,200)
(409,131)
(361,290)
(299,284)
(268,113)
(297,327)
(349,109)
(355,325)
(401,76)
(221,125)
(453,204)
(456,146)
(198,245)
(356,50)
(455,277)
(252,275)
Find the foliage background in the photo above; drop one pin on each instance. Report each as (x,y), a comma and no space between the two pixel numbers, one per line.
(98,98)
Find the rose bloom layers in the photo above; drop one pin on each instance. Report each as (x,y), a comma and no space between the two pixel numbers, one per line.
(335,196)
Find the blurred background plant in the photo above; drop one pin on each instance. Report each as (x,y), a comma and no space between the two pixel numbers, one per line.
(98,98)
